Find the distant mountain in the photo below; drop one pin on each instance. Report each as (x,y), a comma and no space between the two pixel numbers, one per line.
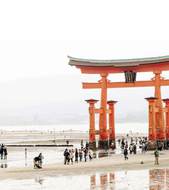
(60,100)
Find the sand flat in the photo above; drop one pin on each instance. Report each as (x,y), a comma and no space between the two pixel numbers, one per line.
(113,163)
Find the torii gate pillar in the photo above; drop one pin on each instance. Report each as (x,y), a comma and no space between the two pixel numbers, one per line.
(160,128)
(166,101)
(111,124)
(103,135)
(152,120)
(92,138)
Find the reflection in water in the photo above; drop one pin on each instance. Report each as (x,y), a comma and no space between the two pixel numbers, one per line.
(4,165)
(106,181)
(26,156)
(94,155)
(26,163)
(100,154)
(112,181)
(103,181)
(167,178)
(39,180)
(158,180)
(103,154)
(92,181)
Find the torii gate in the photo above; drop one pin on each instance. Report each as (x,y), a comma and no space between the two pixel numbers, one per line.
(158,115)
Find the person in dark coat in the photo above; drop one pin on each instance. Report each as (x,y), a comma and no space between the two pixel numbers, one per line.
(76,155)
(2,151)
(38,161)
(66,156)
(156,154)
(126,154)
(134,149)
(122,144)
(80,155)
(85,154)
(5,152)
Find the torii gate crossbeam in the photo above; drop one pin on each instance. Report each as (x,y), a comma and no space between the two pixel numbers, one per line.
(87,85)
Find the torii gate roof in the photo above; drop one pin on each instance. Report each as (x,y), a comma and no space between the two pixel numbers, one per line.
(94,66)
(117,62)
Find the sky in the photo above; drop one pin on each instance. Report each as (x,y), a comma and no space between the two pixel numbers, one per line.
(38,87)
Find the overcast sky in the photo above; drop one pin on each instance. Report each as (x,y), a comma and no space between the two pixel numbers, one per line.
(37,84)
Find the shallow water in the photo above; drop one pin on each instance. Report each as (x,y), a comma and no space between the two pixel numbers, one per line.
(157,179)
(18,158)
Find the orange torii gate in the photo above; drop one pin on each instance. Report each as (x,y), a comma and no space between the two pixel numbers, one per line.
(158,115)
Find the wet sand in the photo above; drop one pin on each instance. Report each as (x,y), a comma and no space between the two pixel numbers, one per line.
(41,137)
(115,162)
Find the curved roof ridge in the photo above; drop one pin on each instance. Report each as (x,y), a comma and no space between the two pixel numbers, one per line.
(117,62)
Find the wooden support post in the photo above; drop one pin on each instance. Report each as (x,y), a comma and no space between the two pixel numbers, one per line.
(152,122)
(166,101)
(92,138)
(160,128)
(112,140)
(103,136)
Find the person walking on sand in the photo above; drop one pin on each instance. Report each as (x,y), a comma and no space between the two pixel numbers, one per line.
(40,159)
(80,155)
(126,154)
(131,148)
(143,148)
(76,155)
(5,152)
(156,154)
(66,156)
(122,144)
(90,155)
(85,154)
(134,149)
(71,152)
(2,151)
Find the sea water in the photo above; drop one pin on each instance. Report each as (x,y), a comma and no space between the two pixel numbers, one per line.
(119,127)
(155,179)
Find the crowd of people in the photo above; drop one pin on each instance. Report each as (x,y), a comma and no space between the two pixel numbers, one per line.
(77,155)
(130,146)
(127,145)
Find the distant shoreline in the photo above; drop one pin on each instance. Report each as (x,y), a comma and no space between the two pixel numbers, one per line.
(49,137)
(2,131)
(125,127)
